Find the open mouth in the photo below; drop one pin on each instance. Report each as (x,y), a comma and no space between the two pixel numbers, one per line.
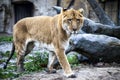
(74,32)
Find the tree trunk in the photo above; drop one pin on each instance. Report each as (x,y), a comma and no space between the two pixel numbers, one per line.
(90,26)
(104,19)
(96,47)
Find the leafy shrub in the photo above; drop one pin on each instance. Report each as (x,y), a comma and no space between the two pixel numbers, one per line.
(6,38)
(7,74)
(38,62)
(72,58)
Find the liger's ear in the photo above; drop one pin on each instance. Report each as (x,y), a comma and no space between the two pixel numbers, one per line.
(81,10)
(63,10)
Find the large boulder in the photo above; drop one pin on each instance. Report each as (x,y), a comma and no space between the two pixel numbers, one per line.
(96,47)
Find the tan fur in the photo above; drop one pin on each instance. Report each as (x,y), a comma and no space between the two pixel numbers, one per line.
(50,30)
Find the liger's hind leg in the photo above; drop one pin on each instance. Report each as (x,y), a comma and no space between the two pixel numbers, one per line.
(20,57)
(29,48)
(22,51)
(20,63)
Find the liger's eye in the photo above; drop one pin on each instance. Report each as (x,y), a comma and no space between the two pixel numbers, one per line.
(78,20)
(69,20)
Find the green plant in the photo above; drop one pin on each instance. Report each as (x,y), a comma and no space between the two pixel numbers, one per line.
(5,74)
(38,62)
(7,54)
(72,58)
(6,38)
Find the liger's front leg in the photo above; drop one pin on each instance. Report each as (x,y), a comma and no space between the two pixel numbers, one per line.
(51,60)
(60,53)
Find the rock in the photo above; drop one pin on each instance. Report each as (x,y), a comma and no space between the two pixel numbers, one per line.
(96,47)
(98,28)
(5,46)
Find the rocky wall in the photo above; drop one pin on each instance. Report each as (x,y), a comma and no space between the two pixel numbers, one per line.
(5,15)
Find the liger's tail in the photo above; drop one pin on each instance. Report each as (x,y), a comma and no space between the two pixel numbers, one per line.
(11,54)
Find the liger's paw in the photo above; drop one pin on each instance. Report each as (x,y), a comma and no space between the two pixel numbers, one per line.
(50,71)
(72,76)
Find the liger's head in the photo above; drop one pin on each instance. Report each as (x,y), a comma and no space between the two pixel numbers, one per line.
(72,20)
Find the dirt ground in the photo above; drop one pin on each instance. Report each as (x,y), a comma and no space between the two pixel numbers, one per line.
(82,73)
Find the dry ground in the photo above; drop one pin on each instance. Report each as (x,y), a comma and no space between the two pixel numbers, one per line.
(83,73)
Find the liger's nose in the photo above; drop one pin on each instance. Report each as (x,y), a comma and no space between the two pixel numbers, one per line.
(74,29)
